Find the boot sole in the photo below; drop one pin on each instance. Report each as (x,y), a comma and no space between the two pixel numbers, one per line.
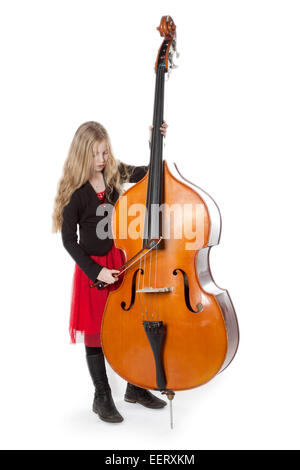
(130,400)
(107,420)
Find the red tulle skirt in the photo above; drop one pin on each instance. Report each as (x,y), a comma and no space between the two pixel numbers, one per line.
(87,304)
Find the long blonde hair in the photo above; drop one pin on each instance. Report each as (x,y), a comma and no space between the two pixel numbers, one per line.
(77,169)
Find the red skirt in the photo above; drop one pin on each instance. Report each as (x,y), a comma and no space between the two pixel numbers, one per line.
(87,304)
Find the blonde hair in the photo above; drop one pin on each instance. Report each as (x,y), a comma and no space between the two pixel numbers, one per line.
(77,169)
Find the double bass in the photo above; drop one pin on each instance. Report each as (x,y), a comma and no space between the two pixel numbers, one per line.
(168,327)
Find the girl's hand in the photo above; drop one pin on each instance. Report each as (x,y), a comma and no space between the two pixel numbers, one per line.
(163,130)
(106,275)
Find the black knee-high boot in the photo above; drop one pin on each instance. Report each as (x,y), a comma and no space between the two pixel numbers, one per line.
(103,402)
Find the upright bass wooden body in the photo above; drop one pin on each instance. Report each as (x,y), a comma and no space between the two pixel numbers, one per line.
(168,327)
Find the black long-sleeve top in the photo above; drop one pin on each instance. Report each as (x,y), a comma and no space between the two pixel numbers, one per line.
(81,210)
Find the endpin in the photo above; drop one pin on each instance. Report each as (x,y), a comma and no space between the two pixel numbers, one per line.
(170,395)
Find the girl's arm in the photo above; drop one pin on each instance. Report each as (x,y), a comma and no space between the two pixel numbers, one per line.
(136,172)
(69,239)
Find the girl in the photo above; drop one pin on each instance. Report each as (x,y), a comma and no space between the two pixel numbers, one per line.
(92,176)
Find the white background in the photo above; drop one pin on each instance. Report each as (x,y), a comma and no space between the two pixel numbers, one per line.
(233,111)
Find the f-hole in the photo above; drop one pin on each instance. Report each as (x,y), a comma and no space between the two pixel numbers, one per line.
(187,292)
(133,289)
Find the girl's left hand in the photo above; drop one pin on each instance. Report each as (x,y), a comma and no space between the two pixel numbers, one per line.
(163,129)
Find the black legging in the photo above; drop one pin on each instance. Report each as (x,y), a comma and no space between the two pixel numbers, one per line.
(92,351)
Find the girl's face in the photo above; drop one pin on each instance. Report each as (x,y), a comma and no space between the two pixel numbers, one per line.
(100,155)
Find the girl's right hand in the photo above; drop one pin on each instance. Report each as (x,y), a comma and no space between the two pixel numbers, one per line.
(106,275)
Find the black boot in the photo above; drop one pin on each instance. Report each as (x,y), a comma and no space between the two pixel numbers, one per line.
(103,403)
(139,395)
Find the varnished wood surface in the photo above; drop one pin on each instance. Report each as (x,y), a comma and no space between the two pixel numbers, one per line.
(196,343)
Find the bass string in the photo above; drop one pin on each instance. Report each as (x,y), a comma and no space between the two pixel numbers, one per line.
(144,296)
(150,295)
(150,308)
(141,294)
(154,306)
(156,298)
